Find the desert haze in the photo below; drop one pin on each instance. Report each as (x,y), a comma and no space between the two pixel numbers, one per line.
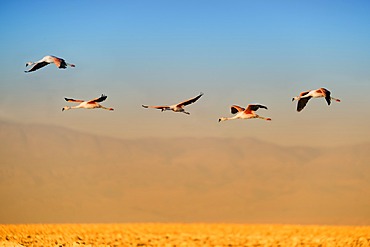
(56,175)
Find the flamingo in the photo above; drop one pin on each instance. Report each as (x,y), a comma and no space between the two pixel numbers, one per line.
(304,97)
(177,107)
(91,104)
(247,113)
(59,62)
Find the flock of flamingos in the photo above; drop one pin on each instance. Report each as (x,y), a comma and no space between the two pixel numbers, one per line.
(240,112)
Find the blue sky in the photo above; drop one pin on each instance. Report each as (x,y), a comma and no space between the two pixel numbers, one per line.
(163,52)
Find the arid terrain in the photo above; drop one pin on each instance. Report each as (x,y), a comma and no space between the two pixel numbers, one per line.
(56,175)
(182,235)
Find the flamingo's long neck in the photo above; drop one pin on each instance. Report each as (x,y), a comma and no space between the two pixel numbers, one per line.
(75,107)
(228,118)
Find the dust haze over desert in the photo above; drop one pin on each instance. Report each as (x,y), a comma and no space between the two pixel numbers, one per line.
(57,175)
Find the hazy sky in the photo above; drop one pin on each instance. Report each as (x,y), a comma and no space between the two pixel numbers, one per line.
(163,52)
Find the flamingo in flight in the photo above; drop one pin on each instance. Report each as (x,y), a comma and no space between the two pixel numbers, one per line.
(246,113)
(91,104)
(176,107)
(304,97)
(59,62)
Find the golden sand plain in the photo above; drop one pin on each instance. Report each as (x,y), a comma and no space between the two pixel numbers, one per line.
(183,235)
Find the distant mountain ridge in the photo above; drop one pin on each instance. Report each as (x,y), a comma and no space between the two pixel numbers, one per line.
(55,175)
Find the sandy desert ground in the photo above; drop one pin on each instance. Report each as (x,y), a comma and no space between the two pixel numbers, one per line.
(183,235)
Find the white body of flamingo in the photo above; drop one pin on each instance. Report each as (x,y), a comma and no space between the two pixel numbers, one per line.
(247,113)
(177,107)
(91,104)
(59,62)
(304,97)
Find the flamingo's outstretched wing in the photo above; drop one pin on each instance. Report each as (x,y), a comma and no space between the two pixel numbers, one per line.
(100,99)
(235,109)
(60,63)
(37,66)
(254,107)
(304,93)
(327,95)
(189,101)
(74,100)
(302,102)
